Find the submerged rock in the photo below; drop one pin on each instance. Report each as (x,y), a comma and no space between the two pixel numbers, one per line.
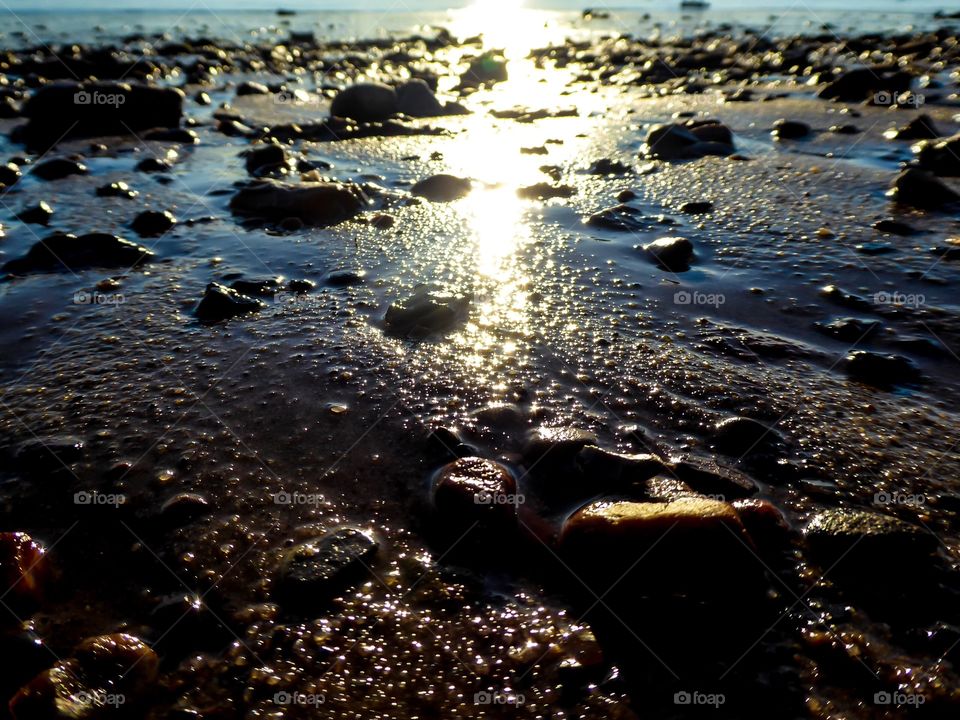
(472,489)
(606,166)
(850,329)
(620,218)
(426,311)
(616,470)
(152,223)
(316,570)
(866,539)
(894,227)
(920,189)
(63,252)
(941,157)
(221,303)
(881,371)
(919,128)
(9,175)
(671,253)
(63,110)
(117,189)
(58,168)
(366,102)
(442,188)
(546,191)
(38,214)
(743,436)
(317,204)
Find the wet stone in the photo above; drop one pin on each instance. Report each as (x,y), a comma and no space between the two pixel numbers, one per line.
(919,128)
(865,83)
(556,444)
(940,157)
(316,570)
(183,508)
(864,537)
(316,204)
(24,571)
(117,189)
(252,88)
(764,522)
(345,278)
(38,214)
(183,623)
(881,371)
(677,142)
(258,288)
(442,188)
(426,311)
(850,329)
(606,166)
(612,469)
(221,303)
(64,253)
(486,69)
(58,169)
(789,130)
(473,489)
(696,208)
(366,102)
(416,99)
(710,478)
(673,254)
(743,436)
(265,158)
(153,223)
(546,191)
(184,136)
(10,175)
(620,218)
(894,227)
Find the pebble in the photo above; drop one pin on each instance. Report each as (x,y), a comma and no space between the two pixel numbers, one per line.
(673,254)
(38,214)
(881,371)
(221,303)
(742,436)
(474,490)
(265,158)
(696,207)
(252,88)
(546,191)
(117,189)
(63,252)
(620,218)
(316,204)
(183,508)
(153,223)
(366,102)
(314,571)
(789,130)
(442,188)
(58,169)
(556,444)
(9,175)
(426,311)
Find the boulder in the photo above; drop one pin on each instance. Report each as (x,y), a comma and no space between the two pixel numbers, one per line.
(416,99)
(921,189)
(366,102)
(442,188)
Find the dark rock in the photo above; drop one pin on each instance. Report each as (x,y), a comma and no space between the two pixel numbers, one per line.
(848,329)
(606,166)
(556,444)
(221,303)
(48,455)
(426,311)
(233,128)
(58,168)
(677,142)
(265,158)
(183,508)
(184,136)
(317,204)
(301,286)
(764,522)
(874,248)
(742,435)
(671,253)
(153,223)
(626,196)
(64,110)
(789,130)
(473,490)
(940,157)
(183,623)
(318,569)
(919,128)
(895,227)
(866,539)
(258,288)
(38,214)
(366,102)
(63,252)
(154,165)
(881,371)
(442,188)
(863,83)
(546,191)
(710,478)
(9,176)
(621,218)
(252,88)
(845,298)
(117,189)
(383,221)
(486,69)
(920,189)
(845,129)
(416,99)
(712,131)
(696,208)
(343,278)
(613,470)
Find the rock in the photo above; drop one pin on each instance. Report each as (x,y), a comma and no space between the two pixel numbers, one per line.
(24,571)
(9,175)
(789,130)
(183,508)
(265,158)
(894,227)
(849,329)
(864,83)
(920,189)
(344,278)
(919,128)
(845,298)
(614,470)
(764,522)
(58,168)
(677,142)
(117,189)
(472,490)
(366,102)
(183,136)
(710,478)
(711,131)
(258,288)
(606,166)
(696,207)
(317,204)
(153,223)
(881,371)
(38,214)
(183,623)
(442,188)
(316,570)
(64,252)
(686,545)
(416,99)
(620,218)
(671,253)
(874,248)
(154,165)
(221,303)
(866,540)
(62,110)
(845,129)
(556,444)
(546,191)
(232,127)
(486,69)
(104,675)
(941,157)
(426,311)
(48,455)
(383,221)
(741,436)
(252,88)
